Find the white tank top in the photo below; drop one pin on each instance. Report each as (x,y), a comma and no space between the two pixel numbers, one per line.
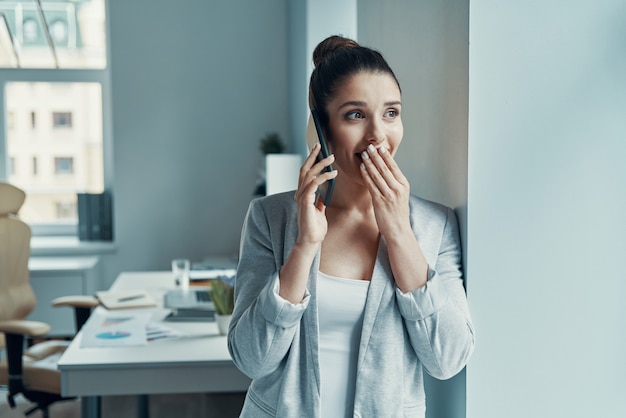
(341,303)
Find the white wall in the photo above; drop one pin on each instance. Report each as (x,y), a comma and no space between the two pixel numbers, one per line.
(547,208)
(426,44)
(310,22)
(195,85)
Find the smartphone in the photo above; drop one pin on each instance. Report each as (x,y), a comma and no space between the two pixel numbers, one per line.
(315,135)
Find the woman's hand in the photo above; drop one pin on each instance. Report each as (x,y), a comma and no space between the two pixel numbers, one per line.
(312,227)
(312,223)
(389,189)
(390,192)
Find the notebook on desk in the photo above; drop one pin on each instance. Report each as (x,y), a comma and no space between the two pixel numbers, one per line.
(125,299)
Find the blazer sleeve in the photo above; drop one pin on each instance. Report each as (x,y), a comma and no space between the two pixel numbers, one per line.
(263,324)
(437,315)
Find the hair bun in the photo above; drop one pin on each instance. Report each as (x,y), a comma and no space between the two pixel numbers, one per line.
(330,46)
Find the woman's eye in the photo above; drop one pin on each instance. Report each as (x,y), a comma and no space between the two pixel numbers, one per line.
(355,115)
(391,113)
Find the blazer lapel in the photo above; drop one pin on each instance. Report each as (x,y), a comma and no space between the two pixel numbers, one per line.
(381,288)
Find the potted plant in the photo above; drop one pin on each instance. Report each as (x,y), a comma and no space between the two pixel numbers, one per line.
(223,296)
(271,143)
(281,169)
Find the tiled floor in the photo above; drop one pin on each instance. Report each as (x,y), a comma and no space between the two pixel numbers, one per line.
(161,406)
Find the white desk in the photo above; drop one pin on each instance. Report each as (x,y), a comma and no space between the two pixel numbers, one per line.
(197,362)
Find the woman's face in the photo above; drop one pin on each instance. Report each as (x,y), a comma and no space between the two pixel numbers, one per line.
(365,110)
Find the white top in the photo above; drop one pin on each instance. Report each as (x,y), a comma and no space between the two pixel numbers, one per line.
(341,303)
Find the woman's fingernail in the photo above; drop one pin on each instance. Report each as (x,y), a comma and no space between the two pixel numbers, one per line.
(365,155)
(363,166)
(371,148)
(382,150)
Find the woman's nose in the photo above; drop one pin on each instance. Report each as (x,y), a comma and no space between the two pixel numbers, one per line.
(375,134)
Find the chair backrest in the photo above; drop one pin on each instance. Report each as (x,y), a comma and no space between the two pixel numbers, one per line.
(17,298)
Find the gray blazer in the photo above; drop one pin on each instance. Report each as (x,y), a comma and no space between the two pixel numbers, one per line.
(275,343)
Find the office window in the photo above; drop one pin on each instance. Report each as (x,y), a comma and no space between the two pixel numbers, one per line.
(62,119)
(75,37)
(60,169)
(54,80)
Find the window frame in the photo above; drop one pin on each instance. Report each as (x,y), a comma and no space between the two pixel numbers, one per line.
(63,75)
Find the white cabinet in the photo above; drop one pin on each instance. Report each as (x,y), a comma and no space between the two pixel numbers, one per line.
(52,277)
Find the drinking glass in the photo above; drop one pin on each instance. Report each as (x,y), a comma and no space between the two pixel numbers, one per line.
(180,268)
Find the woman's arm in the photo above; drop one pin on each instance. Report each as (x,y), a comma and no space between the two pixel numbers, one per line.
(271,296)
(263,324)
(312,227)
(437,315)
(390,191)
(431,300)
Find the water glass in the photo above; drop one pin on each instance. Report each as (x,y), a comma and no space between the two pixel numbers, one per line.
(180,268)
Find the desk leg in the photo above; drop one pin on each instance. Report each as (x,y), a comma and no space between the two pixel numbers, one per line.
(143,406)
(90,407)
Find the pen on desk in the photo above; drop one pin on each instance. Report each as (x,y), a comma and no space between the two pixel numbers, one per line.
(129,298)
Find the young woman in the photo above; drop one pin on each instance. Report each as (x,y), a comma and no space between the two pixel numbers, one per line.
(339,309)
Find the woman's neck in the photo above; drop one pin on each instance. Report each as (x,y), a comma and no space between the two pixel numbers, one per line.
(351,196)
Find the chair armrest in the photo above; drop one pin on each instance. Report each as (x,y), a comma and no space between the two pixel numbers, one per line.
(45,349)
(24,327)
(76,301)
(82,307)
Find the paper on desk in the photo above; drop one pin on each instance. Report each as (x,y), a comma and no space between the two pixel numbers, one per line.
(115,330)
(156,331)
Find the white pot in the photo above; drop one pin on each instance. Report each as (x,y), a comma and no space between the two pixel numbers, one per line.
(281,172)
(222,323)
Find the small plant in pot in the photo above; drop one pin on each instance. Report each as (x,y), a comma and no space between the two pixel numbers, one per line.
(223,296)
(271,143)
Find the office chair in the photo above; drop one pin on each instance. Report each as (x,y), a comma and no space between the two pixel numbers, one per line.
(28,371)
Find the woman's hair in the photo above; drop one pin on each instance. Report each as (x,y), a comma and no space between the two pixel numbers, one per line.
(336,59)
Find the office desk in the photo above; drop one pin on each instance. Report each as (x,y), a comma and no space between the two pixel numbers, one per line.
(197,362)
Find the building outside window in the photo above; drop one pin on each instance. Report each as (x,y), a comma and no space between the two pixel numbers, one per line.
(54,67)
(65,210)
(58,30)
(30,31)
(62,119)
(63,165)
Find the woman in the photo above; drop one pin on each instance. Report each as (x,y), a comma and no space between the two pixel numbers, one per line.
(339,309)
